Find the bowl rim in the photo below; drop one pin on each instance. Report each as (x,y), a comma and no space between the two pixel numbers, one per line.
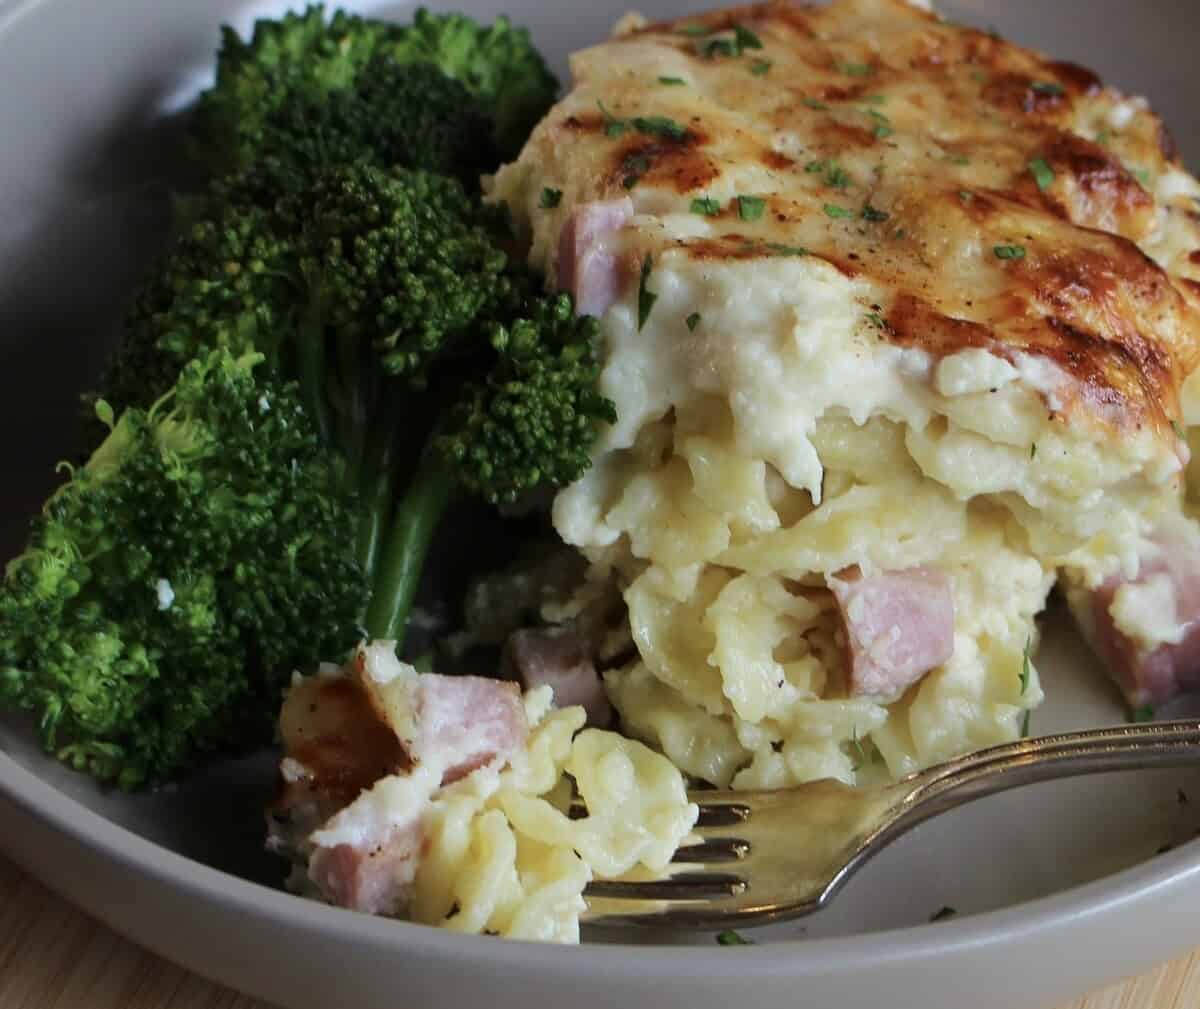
(1050,918)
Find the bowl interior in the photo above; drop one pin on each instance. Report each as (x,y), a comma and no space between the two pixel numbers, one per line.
(90,150)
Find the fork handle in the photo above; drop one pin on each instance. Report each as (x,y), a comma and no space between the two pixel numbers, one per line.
(1011,765)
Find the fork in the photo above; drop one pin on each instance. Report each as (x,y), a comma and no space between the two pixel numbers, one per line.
(757,857)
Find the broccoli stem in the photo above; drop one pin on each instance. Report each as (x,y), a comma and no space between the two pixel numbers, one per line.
(377,485)
(403,557)
(310,360)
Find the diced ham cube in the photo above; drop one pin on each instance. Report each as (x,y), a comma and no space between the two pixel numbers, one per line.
(560,659)
(1152,676)
(376,879)
(465,722)
(899,626)
(586,266)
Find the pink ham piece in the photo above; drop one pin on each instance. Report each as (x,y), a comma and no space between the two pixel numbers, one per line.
(374,878)
(899,625)
(586,267)
(1156,676)
(464,722)
(560,659)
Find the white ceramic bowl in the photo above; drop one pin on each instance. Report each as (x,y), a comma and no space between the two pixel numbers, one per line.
(1057,888)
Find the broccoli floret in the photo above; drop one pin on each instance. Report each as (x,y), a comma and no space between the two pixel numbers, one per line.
(173,584)
(302,89)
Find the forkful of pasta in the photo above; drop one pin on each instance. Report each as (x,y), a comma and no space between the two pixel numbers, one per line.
(764,856)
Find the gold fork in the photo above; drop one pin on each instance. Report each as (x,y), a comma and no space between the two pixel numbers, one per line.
(770,856)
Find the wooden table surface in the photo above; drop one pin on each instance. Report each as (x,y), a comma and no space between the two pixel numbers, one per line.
(55,957)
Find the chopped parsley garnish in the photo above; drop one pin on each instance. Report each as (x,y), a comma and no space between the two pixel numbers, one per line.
(812,103)
(1142,175)
(635,166)
(876,320)
(696,31)
(967,196)
(1042,173)
(646,297)
(941,914)
(1033,450)
(1180,433)
(659,126)
(883,126)
(856,69)
(858,750)
(731,938)
(706,205)
(750,208)
(958,159)
(779,249)
(875,99)
(720,47)
(672,81)
(760,68)
(613,127)
(550,199)
(870,213)
(1144,714)
(1104,136)
(836,177)
(744,38)
(1008,251)
(833,210)
(1025,669)
(1047,88)
(692,321)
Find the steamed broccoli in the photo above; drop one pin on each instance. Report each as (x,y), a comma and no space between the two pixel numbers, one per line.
(280,94)
(175,581)
(337,346)
(429,361)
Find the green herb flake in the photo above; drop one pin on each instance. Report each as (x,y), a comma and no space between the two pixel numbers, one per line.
(1180,433)
(659,126)
(1051,88)
(873,214)
(550,198)
(941,914)
(966,196)
(760,68)
(778,249)
(836,212)
(706,205)
(672,81)
(812,103)
(958,159)
(876,320)
(646,297)
(1144,714)
(875,99)
(750,208)
(731,938)
(720,47)
(692,321)
(1142,175)
(696,30)
(859,752)
(613,127)
(856,69)
(1042,173)
(1104,136)
(1008,251)
(1026,670)
(635,166)
(744,38)
(1033,450)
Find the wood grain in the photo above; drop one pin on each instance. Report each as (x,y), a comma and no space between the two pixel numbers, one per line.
(55,957)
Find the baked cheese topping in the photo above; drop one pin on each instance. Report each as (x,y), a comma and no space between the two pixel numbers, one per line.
(890,301)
